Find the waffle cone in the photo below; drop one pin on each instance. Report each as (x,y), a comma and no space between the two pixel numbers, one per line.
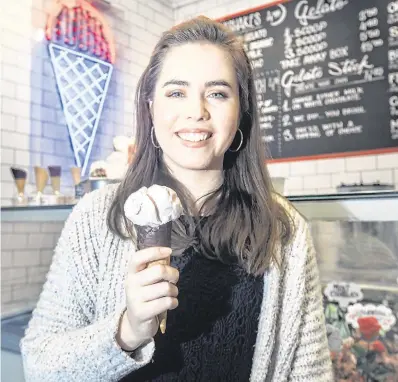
(76,175)
(41,178)
(20,183)
(156,237)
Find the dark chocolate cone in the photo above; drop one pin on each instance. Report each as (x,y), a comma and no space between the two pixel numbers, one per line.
(159,236)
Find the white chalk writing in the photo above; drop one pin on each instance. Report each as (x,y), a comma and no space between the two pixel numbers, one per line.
(330,128)
(310,29)
(292,63)
(351,128)
(339,52)
(268,138)
(261,44)
(353,110)
(276,16)
(255,35)
(250,21)
(291,79)
(392,7)
(394,128)
(311,48)
(332,113)
(303,12)
(307,132)
(261,85)
(289,53)
(311,39)
(314,58)
(349,66)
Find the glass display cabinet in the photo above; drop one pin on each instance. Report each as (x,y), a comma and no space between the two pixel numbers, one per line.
(356,240)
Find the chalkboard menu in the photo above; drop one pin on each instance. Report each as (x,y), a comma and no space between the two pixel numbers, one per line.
(326,75)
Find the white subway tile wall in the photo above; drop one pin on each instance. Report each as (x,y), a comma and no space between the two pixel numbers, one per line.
(26,254)
(330,166)
(386,161)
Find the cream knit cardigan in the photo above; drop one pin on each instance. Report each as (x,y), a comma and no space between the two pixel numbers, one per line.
(71,336)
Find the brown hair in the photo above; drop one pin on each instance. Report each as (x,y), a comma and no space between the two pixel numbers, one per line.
(245,223)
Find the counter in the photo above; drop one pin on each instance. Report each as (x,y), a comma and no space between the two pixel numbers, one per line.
(352,206)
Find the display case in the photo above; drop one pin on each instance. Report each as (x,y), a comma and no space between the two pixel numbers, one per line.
(356,240)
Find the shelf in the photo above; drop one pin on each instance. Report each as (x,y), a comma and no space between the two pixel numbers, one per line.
(36,213)
(363,206)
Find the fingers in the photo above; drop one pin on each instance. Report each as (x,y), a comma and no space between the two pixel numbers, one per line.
(154,308)
(150,285)
(156,274)
(159,290)
(141,258)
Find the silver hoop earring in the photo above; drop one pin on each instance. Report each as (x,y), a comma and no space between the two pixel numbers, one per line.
(240,144)
(153,139)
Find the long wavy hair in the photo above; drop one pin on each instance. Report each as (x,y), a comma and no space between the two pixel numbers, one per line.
(244,222)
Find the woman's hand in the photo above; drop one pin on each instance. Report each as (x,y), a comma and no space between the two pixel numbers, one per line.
(149,292)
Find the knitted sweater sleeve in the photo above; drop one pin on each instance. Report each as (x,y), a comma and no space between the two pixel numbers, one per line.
(63,342)
(312,361)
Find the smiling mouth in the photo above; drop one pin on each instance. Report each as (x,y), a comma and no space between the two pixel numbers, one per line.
(194,137)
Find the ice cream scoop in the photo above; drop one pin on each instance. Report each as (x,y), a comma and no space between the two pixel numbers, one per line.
(153,206)
(152,211)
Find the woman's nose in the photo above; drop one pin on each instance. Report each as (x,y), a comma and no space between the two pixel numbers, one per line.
(196,109)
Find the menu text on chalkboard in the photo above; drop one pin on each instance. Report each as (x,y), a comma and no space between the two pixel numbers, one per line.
(325,75)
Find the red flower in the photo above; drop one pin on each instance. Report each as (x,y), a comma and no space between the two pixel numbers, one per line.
(378,346)
(369,327)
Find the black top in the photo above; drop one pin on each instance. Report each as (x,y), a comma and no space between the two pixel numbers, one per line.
(212,334)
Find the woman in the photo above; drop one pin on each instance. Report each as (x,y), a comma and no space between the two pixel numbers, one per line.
(242,291)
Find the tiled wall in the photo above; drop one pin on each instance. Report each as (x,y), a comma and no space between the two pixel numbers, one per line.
(33,128)
(314,176)
(26,253)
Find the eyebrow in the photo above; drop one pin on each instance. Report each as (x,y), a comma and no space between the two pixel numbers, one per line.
(208,84)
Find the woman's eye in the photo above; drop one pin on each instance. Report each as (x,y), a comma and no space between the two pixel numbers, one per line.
(175,94)
(218,95)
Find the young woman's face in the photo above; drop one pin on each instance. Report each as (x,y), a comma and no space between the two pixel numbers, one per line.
(196,106)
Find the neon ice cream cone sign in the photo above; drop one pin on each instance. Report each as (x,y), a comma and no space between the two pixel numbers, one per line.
(82,54)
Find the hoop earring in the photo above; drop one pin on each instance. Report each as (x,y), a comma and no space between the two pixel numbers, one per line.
(153,139)
(240,144)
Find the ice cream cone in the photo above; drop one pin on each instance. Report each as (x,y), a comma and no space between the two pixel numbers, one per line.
(41,178)
(159,236)
(19,178)
(20,183)
(55,174)
(76,175)
(152,211)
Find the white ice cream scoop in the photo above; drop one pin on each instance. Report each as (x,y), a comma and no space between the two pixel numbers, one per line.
(153,206)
